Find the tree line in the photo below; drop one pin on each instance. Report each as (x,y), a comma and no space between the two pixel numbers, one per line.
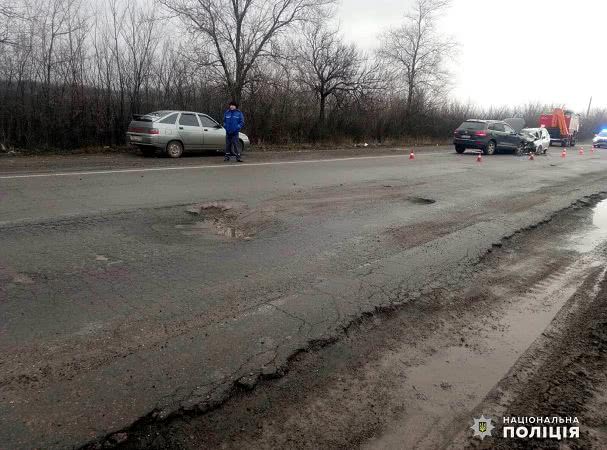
(72,73)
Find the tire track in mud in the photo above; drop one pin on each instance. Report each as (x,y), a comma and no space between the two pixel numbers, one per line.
(565,377)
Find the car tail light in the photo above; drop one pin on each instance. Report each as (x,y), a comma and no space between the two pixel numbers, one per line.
(480,133)
(144,130)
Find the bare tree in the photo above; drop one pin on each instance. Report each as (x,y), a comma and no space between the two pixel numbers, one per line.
(141,40)
(416,51)
(241,32)
(327,66)
(8,13)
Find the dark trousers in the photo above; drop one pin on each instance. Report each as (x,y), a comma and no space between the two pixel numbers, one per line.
(232,146)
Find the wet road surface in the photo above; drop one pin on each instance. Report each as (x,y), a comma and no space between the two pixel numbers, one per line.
(131,293)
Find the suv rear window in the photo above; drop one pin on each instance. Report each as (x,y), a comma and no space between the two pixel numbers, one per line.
(473,126)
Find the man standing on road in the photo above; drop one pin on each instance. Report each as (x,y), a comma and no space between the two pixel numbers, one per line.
(233,121)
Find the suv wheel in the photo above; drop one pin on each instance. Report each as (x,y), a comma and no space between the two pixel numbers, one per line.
(174,149)
(518,151)
(489,148)
(460,149)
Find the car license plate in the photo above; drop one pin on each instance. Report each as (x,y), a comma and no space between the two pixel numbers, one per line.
(136,138)
(465,136)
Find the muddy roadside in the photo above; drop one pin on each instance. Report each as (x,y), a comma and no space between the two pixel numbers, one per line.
(563,375)
(413,376)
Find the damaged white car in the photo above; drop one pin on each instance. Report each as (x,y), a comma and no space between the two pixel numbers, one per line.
(535,140)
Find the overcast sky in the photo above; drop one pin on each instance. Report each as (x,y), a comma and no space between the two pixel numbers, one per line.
(511,52)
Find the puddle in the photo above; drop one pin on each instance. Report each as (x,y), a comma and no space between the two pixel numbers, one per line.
(442,392)
(594,234)
(421,200)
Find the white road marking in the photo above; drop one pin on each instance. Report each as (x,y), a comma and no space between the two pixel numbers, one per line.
(208,166)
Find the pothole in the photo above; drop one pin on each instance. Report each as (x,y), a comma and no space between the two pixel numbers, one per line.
(421,200)
(219,218)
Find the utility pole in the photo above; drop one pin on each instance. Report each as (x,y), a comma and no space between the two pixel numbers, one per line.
(589,105)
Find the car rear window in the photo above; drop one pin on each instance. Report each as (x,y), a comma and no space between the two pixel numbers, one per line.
(170,119)
(473,126)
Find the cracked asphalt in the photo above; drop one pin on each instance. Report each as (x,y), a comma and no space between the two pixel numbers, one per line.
(133,288)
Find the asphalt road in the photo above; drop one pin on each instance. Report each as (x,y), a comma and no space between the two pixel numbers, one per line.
(119,300)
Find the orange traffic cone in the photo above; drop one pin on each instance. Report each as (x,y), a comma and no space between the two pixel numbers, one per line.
(479,157)
(592,150)
(531,156)
(582,151)
(563,153)
(411,155)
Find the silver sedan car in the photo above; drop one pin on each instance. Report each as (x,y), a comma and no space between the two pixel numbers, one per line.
(174,132)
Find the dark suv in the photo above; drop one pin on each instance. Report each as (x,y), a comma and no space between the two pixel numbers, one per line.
(486,135)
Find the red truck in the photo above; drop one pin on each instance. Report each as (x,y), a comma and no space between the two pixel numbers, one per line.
(563,127)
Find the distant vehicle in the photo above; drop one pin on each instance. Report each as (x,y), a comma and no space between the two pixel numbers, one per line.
(174,132)
(488,136)
(600,139)
(563,127)
(536,140)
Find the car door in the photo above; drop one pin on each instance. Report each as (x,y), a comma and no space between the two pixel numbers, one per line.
(511,137)
(190,131)
(497,132)
(214,135)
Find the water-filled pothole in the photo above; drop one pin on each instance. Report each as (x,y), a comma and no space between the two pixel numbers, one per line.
(421,200)
(594,233)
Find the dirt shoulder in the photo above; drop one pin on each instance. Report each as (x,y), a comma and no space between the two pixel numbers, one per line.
(563,375)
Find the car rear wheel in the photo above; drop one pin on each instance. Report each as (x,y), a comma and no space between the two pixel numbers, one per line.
(174,149)
(489,148)
(460,149)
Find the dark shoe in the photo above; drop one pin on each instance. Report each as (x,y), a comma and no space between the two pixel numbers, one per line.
(226,158)
(239,160)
